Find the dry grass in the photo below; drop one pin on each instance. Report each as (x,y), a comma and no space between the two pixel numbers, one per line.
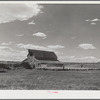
(22,79)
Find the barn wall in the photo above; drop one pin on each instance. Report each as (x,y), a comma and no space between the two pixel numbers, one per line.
(32,61)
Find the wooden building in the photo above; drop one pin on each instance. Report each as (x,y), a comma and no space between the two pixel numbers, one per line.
(37,58)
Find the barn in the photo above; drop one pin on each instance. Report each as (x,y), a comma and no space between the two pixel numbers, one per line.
(37,58)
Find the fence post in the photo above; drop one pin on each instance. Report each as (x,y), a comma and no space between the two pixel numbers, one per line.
(63,67)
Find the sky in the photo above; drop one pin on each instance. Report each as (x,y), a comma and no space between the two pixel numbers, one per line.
(72,31)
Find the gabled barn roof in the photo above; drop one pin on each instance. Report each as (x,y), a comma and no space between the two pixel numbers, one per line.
(43,55)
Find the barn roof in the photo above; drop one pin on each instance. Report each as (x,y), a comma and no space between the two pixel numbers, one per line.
(43,55)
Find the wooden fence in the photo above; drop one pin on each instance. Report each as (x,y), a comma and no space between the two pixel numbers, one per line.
(74,67)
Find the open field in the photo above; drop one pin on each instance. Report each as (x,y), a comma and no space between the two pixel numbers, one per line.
(50,80)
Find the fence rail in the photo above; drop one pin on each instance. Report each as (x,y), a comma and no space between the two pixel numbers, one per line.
(78,67)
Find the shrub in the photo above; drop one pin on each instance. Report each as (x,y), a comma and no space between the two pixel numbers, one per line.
(3,67)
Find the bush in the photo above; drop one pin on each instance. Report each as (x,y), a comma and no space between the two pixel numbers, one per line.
(4,66)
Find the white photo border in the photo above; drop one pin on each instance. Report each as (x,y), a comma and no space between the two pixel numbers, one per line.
(50,94)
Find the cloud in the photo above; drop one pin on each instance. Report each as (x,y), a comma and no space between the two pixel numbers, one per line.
(9,54)
(86,46)
(9,43)
(31,23)
(88,20)
(31,46)
(93,20)
(37,47)
(19,34)
(55,46)
(58,53)
(93,23)
(87,59)
(74,37)
(12,56)
(40,34)
(6,48)
(66,57)
(79,59)
(11,12)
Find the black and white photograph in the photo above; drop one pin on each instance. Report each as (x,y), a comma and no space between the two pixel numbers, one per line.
(46,46)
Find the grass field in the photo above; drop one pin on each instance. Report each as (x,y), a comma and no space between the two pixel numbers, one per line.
(23,79)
